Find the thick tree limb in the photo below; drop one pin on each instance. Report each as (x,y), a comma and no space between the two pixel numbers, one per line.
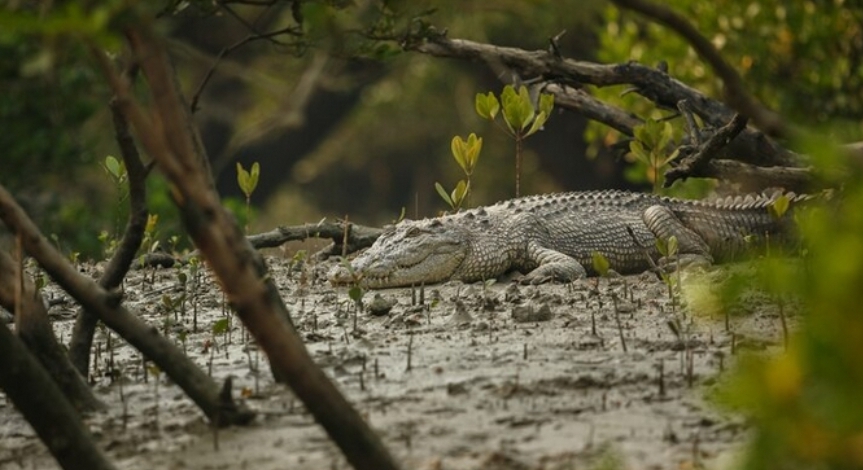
(118,266)
(754,179)
(34,329)
(170,139)
(736,93)
(106,305)
(48,412)
(652,83)
(582,102)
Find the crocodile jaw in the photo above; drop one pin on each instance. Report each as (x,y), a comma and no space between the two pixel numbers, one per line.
(412,253)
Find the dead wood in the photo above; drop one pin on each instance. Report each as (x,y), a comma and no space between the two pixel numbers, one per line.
(107,306)
(753,179)
(172,140)
(33,392)
(751,146)
(18,294)
(358,237)
(693,163)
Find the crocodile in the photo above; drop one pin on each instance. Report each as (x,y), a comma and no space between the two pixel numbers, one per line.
(553,238)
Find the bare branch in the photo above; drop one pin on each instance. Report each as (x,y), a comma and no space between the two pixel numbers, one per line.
(735,91)
(241,271)
(118,266)
(693,164)
(653,84)
(292,30)
(19,294)
(754,179)
(581,102)
(106,305)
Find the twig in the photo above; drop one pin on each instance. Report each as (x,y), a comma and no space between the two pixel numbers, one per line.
(692,165)
(107,306)
(227,50)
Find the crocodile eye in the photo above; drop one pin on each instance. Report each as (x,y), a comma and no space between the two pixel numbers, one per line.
(413,232)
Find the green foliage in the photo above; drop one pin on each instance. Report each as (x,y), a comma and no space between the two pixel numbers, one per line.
(779,207)
(805,402)
(600,263)
(804,65)
(522,114)
(667,246)
(241,211)
(523,117)
(248,180)
(116,169)
(456,197)
(487,106)
(651,150)
(466,154)
(220,326)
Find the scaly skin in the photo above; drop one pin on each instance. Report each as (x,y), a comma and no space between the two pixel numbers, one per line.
(552,238)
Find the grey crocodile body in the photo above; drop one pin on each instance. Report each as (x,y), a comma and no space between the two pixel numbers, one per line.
(553,237)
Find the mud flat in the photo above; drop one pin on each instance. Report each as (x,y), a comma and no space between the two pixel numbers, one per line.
(498,376)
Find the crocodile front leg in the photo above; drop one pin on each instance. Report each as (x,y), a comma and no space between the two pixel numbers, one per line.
(692,249)
(551,266)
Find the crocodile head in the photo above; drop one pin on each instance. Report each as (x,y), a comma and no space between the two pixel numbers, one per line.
(409,253)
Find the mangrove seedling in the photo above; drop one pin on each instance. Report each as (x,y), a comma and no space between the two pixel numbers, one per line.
(523,116)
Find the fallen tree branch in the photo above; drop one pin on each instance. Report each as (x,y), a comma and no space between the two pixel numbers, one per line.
(47,410)
(106,305)
(347,238)
(359,237)
(583,103)
(18,294)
